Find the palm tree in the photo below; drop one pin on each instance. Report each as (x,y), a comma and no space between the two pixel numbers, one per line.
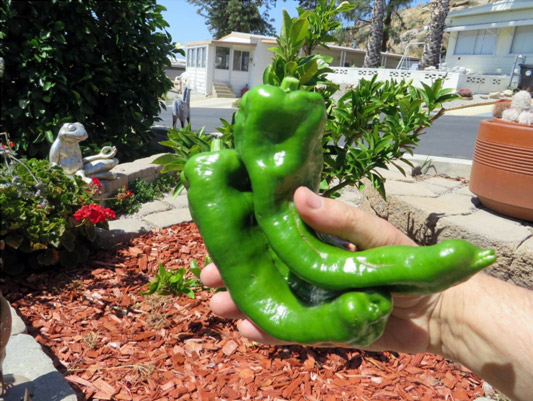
(433,42)
(373,53)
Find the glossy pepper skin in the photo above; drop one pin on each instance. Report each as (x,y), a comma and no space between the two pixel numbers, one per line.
(279,274)
(221,205)
(284,152)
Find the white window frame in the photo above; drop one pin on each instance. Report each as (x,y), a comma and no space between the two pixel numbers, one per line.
(518,30)
(480,35)
(227,61)
(239,55)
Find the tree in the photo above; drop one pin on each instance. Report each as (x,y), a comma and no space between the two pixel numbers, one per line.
(226,16)
(433,42)
(361,17)
(100,63)
(373,53)
(389,32)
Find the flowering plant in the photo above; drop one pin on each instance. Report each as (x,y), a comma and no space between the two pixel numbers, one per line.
(38,204)
(95,213)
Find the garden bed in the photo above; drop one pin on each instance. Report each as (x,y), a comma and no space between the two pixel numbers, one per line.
(113,344)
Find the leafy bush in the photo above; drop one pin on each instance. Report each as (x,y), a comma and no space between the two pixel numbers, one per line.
(47,217)
(368,127)
(175,282)
(129,200)
(100,63)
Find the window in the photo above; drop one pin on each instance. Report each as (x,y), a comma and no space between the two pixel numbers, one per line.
(481,41)
(203,57)
(522,40)
(240,60)
(193,58)
(189,56)
(222,58)
(198,57)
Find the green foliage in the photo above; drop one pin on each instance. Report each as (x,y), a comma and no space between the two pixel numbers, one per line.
(308,31)
(368,127)
(375,124)
(100,63)
(128,201)
(175,282)
(225,16)
(186,143)
(37,226)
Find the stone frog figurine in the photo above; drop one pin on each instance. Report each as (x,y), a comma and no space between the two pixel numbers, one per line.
(66,152)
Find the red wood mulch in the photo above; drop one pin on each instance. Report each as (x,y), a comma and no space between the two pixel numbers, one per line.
(113,344)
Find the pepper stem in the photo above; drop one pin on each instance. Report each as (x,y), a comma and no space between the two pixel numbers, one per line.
(290,84)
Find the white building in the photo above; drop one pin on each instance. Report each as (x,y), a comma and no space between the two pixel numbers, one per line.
(487,39)
(239,59)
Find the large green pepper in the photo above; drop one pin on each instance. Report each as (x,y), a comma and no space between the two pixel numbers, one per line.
(222,207)
(278,136)
(289,283)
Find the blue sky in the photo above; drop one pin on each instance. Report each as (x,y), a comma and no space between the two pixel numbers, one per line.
(187,26)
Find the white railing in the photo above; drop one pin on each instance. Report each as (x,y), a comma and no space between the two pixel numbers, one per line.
(453,80)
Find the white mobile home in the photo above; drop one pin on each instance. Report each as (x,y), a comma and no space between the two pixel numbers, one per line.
(489,39)
(239,59)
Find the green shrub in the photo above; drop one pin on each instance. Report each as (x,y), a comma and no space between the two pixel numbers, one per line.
(40,211)
(129,200)
(100,63)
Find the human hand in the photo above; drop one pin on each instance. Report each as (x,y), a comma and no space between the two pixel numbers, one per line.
(408,328)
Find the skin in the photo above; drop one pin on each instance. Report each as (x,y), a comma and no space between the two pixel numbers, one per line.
(484,323)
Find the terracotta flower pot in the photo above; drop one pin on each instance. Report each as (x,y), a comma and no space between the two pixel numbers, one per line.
(502,169)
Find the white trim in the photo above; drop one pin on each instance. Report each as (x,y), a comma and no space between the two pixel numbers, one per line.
(490,25)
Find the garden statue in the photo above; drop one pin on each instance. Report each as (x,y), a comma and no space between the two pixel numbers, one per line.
(181,109)
(66,152)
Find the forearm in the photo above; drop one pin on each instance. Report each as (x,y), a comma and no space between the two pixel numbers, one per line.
(487,325)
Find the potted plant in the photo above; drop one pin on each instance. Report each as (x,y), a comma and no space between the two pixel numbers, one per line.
(502,167)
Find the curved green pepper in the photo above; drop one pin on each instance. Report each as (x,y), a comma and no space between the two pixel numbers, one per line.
(278,136)
(221,205)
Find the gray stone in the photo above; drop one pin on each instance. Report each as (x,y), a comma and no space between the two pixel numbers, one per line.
(521,267)
(17,325)
(153,207)
(168,218)
(111,186)
(25,357)
(487,229)
(179,202)
(394,174)
(351,196)
(406,188)
(445,205)
(466,191)
(441,185)
(122,230)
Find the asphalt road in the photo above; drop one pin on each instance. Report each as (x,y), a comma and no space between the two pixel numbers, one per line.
(450,136)
(200,117)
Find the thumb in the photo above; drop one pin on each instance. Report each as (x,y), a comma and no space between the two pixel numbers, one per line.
(351,224)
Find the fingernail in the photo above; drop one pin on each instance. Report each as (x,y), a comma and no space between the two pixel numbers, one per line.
(313,200)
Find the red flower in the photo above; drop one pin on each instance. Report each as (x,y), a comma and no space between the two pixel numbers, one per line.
(11,145)
(96,182)
(95,213)
(37,206)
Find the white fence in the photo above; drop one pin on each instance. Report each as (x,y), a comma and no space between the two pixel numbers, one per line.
(454,80)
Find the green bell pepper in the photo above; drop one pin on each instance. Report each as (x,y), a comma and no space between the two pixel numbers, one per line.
(284,152)
(221,204)
(292,285)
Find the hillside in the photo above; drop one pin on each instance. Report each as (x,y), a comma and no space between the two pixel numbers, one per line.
(408,27)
